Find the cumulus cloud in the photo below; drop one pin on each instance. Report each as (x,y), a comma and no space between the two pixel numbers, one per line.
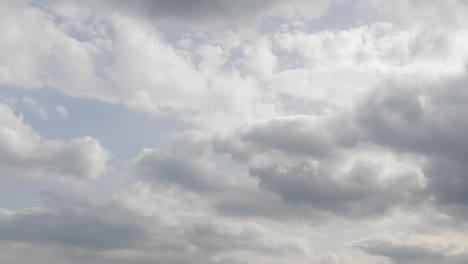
(420,121)
(300,181)
(130,61)
(45,63)
(25,154)
(394,149)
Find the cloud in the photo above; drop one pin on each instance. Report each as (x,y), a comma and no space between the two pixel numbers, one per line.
(411,254)
(24,154)
(301,181)
(220,80)
(41,111)
(77,225)
(183,161)
(450,13)
(311,162)
(37,65)
(395,149)
(218,11)
(421,121)
(76,229)
(304,142)
(61,111)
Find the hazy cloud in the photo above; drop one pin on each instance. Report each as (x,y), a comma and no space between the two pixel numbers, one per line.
(411,254)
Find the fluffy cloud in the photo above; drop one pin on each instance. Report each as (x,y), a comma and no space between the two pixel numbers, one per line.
(300,179)
(31,64)
(305,143)
(223,76)
(420,121)
(25,154)
(394,149)
(411,254)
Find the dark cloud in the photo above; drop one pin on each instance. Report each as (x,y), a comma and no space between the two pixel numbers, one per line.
(73,224)
(72,229)
(428,122)
(417,120)
(422,127)
(301,136)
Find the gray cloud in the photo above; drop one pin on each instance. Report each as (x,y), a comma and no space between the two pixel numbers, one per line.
(411,254)
(397,148)
(77,225)
(305,157)
(292,136)
(180,161)
(417,120)
(188,173)
(24,154)
(81,231)
(358,194)
(267,164)
(427,122)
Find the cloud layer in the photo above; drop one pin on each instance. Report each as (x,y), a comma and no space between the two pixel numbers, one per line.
(305,143)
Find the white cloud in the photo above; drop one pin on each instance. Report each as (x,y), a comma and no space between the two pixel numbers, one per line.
(222,76)
(61,111)
(31,64)
(24,154)
(309,146)
(260,60)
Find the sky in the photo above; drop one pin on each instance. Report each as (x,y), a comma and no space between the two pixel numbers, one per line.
(234,132)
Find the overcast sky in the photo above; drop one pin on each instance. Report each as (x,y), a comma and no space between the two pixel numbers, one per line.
(233,132)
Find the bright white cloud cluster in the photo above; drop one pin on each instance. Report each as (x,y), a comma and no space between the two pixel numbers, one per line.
(324,146)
